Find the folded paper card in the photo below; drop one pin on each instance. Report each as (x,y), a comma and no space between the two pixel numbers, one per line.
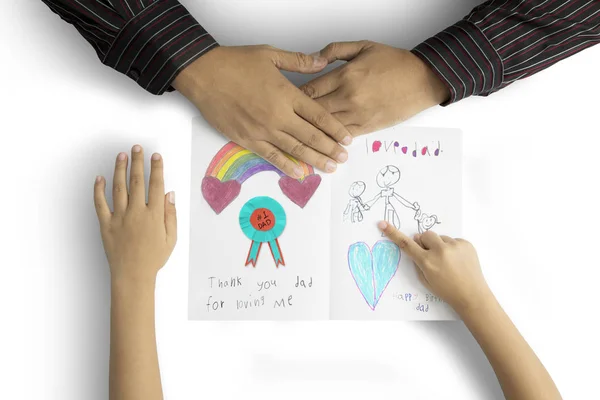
(246,214)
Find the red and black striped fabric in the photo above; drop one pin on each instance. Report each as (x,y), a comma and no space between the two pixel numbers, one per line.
(499,42)
(148,40)
(502,41)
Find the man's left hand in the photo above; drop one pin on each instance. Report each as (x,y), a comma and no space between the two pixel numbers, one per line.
(378,87)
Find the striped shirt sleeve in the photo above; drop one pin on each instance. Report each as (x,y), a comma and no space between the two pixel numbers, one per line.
(502,41)
(150,41)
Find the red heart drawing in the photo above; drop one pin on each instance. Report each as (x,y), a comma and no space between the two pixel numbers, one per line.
(219,194)
(404,149)
(376,146)
(297,191)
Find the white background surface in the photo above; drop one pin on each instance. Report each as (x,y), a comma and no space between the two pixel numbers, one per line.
(530,205)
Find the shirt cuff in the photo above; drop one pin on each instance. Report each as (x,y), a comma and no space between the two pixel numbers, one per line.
(464,59)
(154,46)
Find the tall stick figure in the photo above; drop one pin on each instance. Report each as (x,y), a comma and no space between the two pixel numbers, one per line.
(387,177)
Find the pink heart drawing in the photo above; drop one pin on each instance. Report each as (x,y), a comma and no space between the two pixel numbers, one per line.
(297,191)
(219,194)
(404,149)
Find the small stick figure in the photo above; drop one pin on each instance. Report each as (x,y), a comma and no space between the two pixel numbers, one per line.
(425,222)
(355,206)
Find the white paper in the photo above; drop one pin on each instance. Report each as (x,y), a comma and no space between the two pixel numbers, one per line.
(218,250)
(433,181)
(316,281)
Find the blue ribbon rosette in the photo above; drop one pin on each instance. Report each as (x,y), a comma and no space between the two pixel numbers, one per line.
(262,220)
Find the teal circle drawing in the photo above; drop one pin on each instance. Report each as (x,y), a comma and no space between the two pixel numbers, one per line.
(263,220)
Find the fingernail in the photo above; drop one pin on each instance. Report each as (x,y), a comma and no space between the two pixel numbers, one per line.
(137,148)
(98,179)
(319,61)
(156,156)
(342,157)
(382,225)
(330,166)
(121,156)
(347,140)
(417,236)
(298,172)
(172,197)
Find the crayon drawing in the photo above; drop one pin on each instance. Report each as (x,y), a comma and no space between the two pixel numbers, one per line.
(233,165)
(372,270)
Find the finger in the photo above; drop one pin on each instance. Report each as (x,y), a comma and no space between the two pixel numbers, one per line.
(431,240)
(447,239)
(311,137)
(156,191)
(100,202)
(304,152)
(356,130)
(170,218)
(334,102)
(322,85)
(137,189)
(344,50)
(417,238)
(276,157)
(345,117)
(317,116)
(405,243)
(120,196)
(297,62)
(422,278)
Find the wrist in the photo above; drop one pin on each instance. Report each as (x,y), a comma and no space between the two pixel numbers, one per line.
(126,283)
(435,89)
(477,304)
(196,80)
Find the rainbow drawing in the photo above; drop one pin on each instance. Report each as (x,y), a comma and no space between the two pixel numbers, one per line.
(233,165)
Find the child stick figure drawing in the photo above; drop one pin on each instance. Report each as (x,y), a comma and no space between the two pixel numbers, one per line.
(425,222)
(387,177)
(355,205)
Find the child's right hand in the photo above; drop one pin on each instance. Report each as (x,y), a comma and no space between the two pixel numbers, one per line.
(138,237)
(448,267)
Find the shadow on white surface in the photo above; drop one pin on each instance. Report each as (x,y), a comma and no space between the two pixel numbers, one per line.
(468,355)
(453,343)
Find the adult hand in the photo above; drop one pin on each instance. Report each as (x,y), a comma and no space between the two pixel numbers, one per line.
(138,237)
(378,87)
(241,92)
(446,266)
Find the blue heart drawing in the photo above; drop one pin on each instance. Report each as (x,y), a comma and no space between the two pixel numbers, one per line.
(372,270)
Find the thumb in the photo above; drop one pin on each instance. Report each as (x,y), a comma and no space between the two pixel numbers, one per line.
(344,50)
(298,62)
(408,245)
(171,218)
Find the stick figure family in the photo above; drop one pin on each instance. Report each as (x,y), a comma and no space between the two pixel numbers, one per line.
(386,178)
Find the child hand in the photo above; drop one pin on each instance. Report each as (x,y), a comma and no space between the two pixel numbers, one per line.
(138,237)
(448,267)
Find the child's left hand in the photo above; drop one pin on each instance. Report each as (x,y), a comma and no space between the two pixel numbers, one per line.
(138,237)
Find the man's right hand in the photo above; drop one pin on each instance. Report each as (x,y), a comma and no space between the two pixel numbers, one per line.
(241,92)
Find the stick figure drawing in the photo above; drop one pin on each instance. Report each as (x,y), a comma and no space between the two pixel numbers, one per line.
(425,222)
(386,178)
(355,206)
